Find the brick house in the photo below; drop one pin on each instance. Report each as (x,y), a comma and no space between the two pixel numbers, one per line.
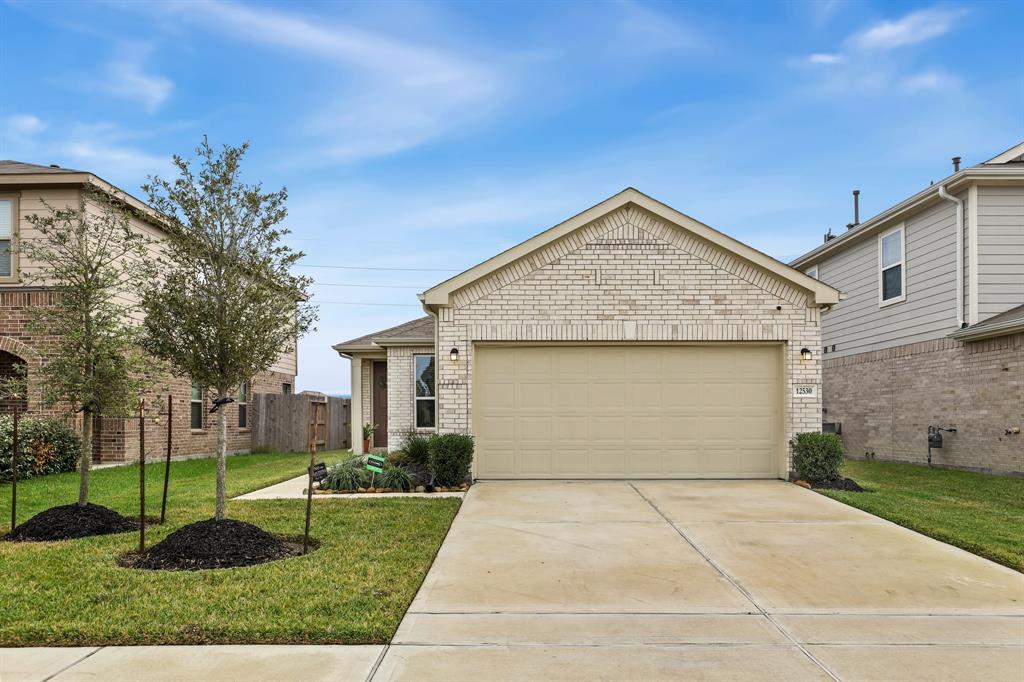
(628,341)
(23,189)
(931,333)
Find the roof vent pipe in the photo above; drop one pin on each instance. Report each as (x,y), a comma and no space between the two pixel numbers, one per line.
(856,207)
(956,164)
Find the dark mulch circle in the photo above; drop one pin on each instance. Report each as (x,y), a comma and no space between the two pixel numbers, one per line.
(213,544)
(839,484)
(71,521)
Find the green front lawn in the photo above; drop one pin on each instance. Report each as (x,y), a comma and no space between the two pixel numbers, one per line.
(355,588)
(981,513)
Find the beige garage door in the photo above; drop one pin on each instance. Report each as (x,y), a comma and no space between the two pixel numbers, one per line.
(698,411)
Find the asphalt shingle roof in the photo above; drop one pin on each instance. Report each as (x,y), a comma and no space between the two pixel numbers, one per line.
(420,328)
(10,167)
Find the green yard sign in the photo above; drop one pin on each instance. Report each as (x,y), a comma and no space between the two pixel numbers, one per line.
(375,463)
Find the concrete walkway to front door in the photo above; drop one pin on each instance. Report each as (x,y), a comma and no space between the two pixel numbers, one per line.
(700,580)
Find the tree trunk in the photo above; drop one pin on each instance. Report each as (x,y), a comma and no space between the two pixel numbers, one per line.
(85,462)
(222,453)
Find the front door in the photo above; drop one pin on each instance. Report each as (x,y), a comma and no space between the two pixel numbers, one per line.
(380,404)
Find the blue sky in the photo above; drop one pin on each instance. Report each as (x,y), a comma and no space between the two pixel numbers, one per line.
(430,135)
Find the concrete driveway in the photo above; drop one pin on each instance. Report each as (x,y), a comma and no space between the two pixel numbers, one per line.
(701,580)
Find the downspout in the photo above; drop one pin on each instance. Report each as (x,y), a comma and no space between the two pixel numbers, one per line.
(959,254)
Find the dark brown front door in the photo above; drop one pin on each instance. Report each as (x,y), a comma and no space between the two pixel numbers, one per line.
(380,404)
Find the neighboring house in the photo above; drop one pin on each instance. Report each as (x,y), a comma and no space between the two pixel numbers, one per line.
(931,333)
(629,341)
(23,189)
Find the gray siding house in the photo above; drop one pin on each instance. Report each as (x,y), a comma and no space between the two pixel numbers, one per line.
(931,331)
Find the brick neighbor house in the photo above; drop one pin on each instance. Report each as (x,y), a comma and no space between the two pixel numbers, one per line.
(628,341)
(931,333)
(23,189)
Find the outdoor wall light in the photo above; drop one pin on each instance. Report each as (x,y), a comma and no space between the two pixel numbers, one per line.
(455,356)
(805,353)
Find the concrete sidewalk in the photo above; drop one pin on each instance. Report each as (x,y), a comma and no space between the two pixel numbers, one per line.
(190,663)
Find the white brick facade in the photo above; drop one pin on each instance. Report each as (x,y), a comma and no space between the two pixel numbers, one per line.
(626,277)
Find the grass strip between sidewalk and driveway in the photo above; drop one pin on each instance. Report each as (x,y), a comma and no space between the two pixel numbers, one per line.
(980,513)
(354,589)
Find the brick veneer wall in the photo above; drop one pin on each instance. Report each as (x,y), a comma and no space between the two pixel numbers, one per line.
(886,400)
(630,277)
(401,407)
(117,439)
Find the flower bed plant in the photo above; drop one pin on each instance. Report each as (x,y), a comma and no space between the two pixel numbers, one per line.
(45,446)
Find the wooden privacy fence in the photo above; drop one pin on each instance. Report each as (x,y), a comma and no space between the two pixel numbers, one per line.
(280,422)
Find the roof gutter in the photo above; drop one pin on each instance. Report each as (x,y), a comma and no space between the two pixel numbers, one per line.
(1000,329)
(959,254)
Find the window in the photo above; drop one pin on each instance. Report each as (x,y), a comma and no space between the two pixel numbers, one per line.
(426,400)
(197,406)
(286,389)
(7,265)
(812,272)
(892,276)
(243,405)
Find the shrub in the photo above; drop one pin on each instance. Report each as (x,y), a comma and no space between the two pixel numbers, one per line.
(817,457)
(416,448)
(347,475)
(450,457)
(395,477)
(45,446)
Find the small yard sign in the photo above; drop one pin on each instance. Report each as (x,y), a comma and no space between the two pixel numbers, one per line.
(375,463)
(805,391)
(319,471)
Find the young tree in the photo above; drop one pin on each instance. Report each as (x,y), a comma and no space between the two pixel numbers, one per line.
(92,260)
(225,305)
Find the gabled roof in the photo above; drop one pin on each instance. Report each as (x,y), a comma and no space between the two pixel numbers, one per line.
(1008,166)
(414,332)
(823,294)
(1008,322)
(21,174)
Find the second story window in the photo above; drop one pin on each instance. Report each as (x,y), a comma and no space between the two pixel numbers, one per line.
(286,389)
(197,407)
(812,272)
(243,405)
(892,276)
(7,220)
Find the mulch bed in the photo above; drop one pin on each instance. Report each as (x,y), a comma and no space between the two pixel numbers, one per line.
(71,521)
(839,484)
(213,544)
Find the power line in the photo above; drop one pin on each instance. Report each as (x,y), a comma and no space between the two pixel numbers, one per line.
(390,305)
(367,286)
(359,267)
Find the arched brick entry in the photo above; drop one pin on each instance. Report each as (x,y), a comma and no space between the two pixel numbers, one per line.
(11,367)
(15,354)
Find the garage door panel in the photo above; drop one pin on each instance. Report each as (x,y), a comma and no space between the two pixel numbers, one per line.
(627,411)
(605,395)
(534,429)
(534,395)
(571,463)
(571,395)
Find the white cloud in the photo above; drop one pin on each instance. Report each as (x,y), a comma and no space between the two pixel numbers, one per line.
(930,80)
(824,58)
(916,27)
(23,124)
(390,95)
(125,79)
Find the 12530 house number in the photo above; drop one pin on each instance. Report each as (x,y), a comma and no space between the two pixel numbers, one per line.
(805,391)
